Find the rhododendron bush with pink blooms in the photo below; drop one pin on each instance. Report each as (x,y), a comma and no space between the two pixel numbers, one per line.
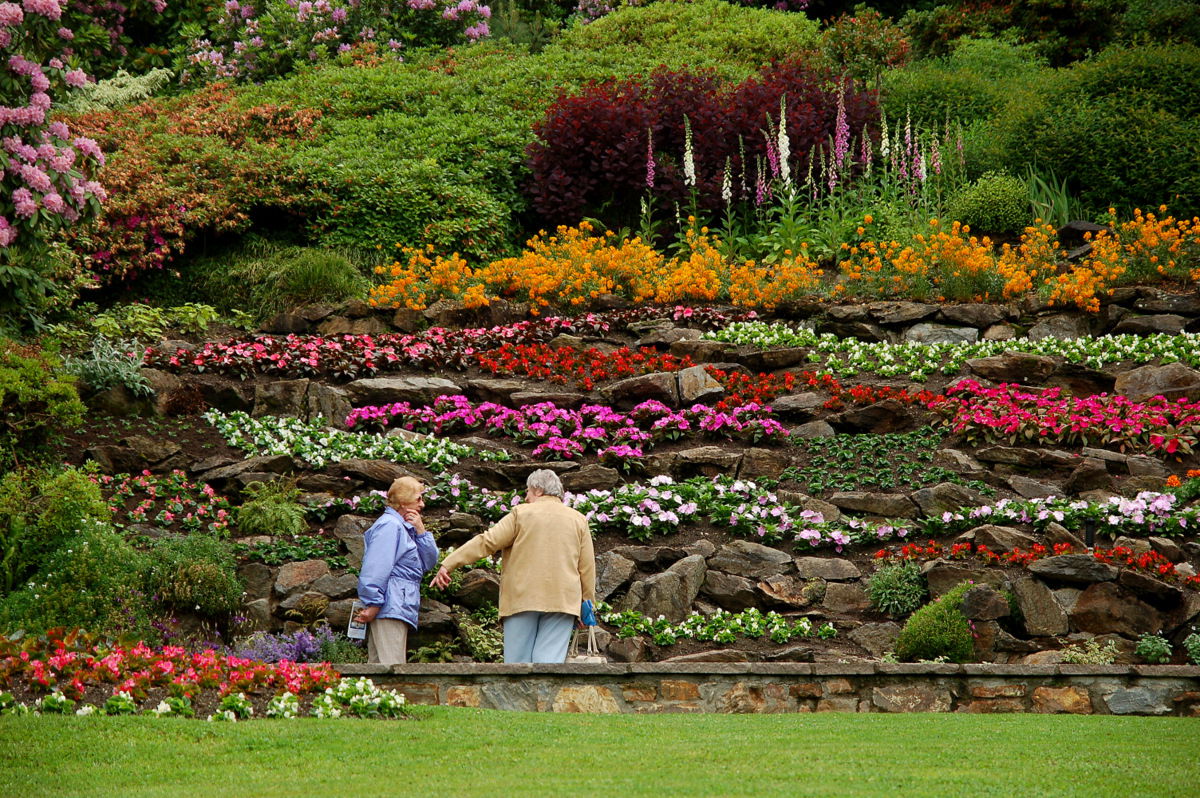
(251,41)
(46,174)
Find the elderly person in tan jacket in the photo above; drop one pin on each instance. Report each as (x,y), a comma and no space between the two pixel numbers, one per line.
(549,568)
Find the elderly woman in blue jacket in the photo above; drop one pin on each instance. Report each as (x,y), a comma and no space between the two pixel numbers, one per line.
(398,553)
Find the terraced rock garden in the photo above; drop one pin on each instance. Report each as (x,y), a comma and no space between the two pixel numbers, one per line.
(786,487)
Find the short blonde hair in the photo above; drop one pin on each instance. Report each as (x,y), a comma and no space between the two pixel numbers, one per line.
(405,490)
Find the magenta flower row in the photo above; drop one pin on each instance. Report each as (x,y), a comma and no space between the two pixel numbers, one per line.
(563,434)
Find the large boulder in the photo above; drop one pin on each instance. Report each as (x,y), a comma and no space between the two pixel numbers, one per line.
(730,592)
(900,312)
(1151,325)
(385,390)
(1063,326)
(669,593)
(828,568)
(926,333)
(799,406)
(1073,569)
(941,576)
(890,415)
(945,497)
(632,391)
(706,461)
(1000,539)
(697,385)
(349,530)
(612,573)
(1013,367)
(1042,614)
(1173,380)
(751,560)
(886,505)
(295,577)
(1105,608)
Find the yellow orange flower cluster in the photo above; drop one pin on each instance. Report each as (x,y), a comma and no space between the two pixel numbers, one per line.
(576,265)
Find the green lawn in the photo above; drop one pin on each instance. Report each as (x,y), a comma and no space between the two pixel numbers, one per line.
(453,752)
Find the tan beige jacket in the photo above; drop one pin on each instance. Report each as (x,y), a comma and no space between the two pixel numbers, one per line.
(548,561)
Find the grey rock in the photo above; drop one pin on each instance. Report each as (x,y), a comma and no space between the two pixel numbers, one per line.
(1187,304)
(668,594)
(349,529)
(792,591)
(1141,700)
(1151,325)
(813,429)
(591,477)
(564,399)
(1000,332)
(1173,381)
(612,573)
(858,330)
(1090,474)
(1000,539)
(766,360)
(1143,466)
(752,560)
(257,579)
(828,568)
(842,597)
(1104,608)
(1032,488)
(730,592)
(379,473)
(957,461)
(708,461)
(632,391)
(799,406)
(697,385)
(1067,597)
(498,391)
(703,351)
(1042,614)
(1167,548)
(385,390)
(877,638)
(945,497)
(116,459)
(890,312)
(341,325)
(435,617)
(281,398)
(942,576)
(479,586)
(630,649)
(271,463)
(258,615)
(848,313)
(1057,533)
(336,587)
(890,415)
(1009,455)
(327,402)
(663,337)
(757,462)
(294,577)
(984,603)
(1014,367)
(974,315)
(1073,569)
(887,505)
(926,333)
(1065,327)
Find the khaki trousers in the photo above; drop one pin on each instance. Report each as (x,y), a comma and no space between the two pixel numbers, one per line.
(387,641)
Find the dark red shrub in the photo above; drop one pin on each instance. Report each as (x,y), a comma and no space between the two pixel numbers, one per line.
(590,156)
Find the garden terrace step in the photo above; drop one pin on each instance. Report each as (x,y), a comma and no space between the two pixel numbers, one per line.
(776,687)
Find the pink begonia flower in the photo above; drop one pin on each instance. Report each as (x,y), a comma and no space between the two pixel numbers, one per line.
(75,78)
(8,233)
(59,130)
(11,15)
(23,203)
(66,33)
(54,203)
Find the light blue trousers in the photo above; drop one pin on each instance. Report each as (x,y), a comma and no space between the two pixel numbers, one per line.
(537,636)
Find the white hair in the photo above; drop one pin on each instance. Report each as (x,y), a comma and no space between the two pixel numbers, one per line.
(546,481)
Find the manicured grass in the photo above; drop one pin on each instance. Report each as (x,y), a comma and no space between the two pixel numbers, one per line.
(456,752)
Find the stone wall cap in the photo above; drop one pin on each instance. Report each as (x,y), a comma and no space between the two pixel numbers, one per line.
(844,668)
(918,668)
(1180,671)
(781,668)
(998,669)
(1069,669)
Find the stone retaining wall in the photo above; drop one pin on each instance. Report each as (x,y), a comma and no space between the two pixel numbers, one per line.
(793,687)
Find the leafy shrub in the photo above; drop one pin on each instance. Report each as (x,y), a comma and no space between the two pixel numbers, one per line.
(271,510)
(271,279)
(37,400)
(865,44)
(977,80)
(110,364)
(938,630)
(1091,653)
(195,572)
(1159,21)
(935,31)
(94,581)
(995,203)
(1191,645)
(120,90)
(174,172)
(341,649)
(1125,127)
(593,146)
(897,588)
(40,510)
(1153,649)
(482,633)
(1065,30)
